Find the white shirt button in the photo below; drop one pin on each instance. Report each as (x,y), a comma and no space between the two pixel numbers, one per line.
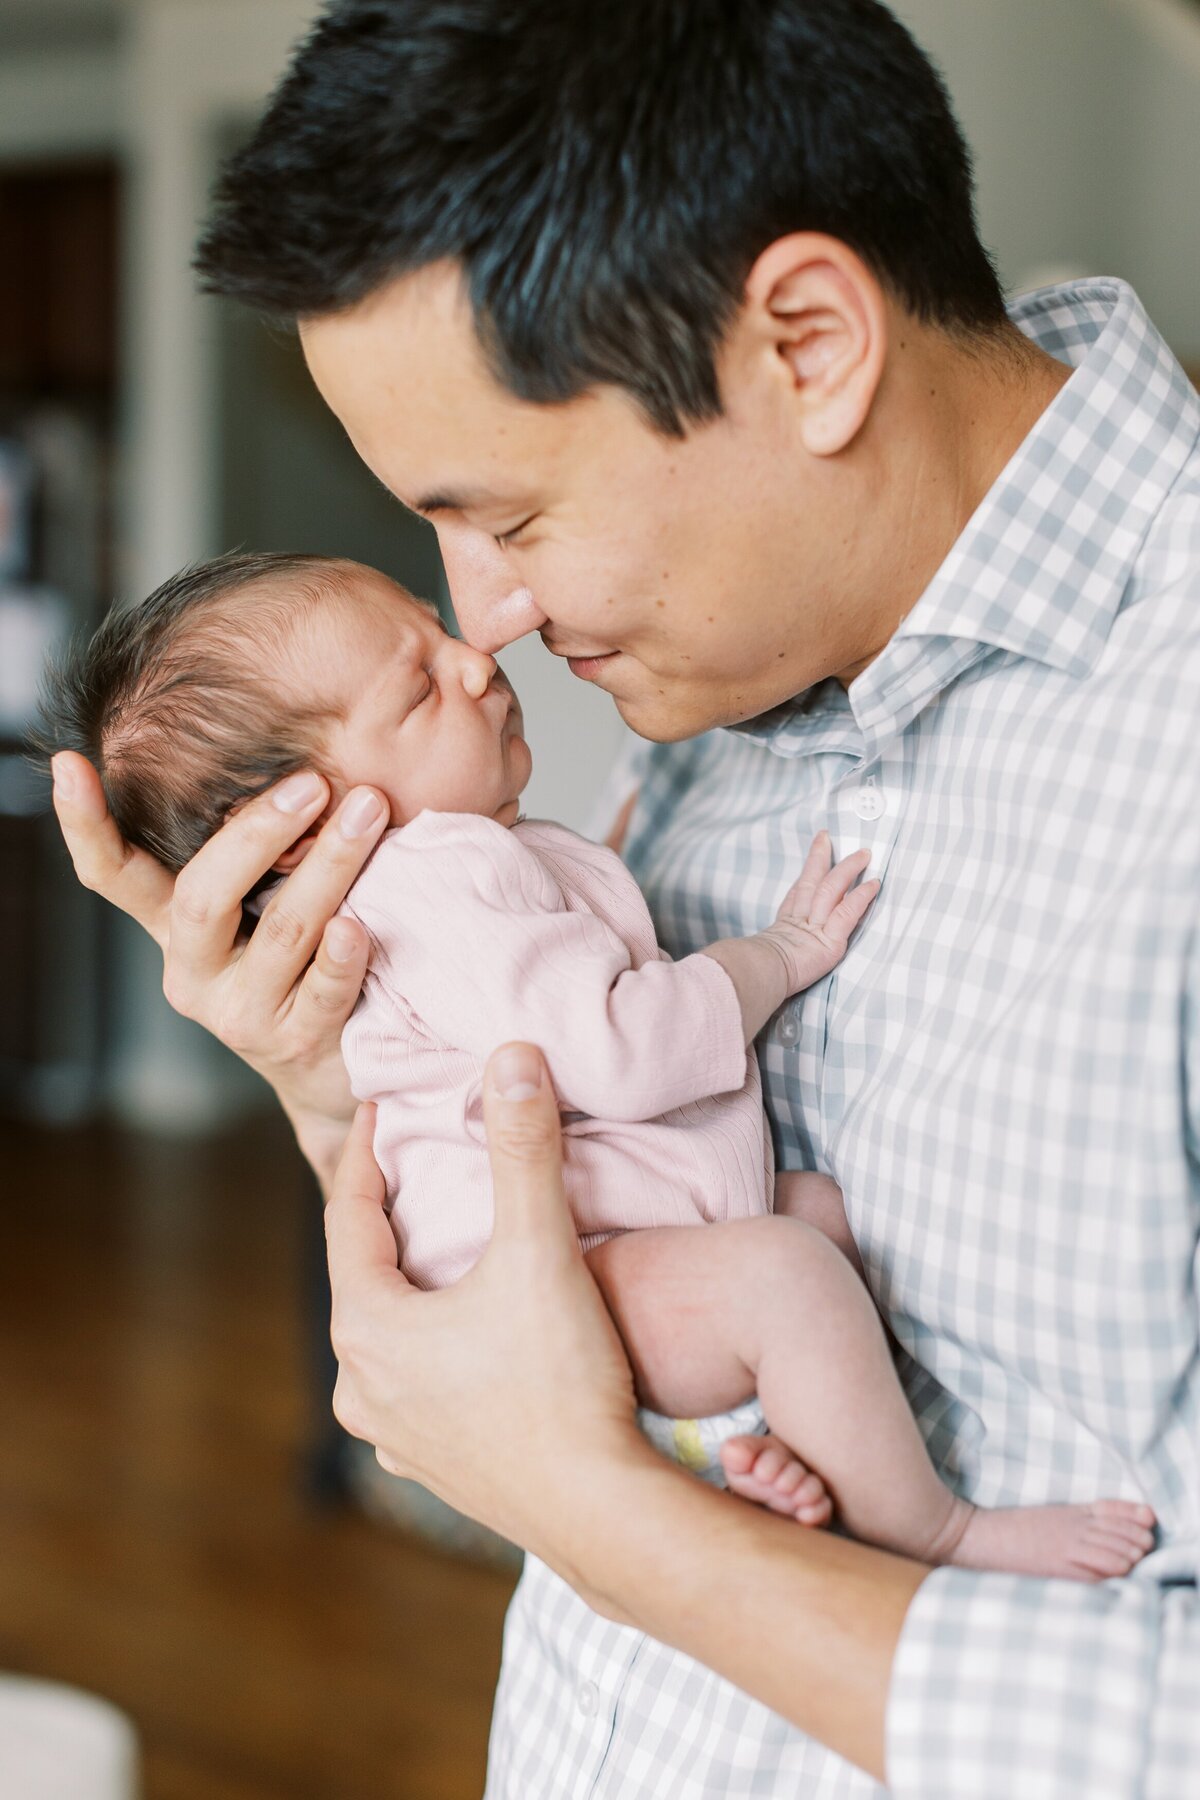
(588,1699)
(869,803)
(787,1026)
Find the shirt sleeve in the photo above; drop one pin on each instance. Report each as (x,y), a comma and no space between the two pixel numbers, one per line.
(472,932)
(1007,1687)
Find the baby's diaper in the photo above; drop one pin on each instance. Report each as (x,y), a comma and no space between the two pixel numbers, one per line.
(695,1443)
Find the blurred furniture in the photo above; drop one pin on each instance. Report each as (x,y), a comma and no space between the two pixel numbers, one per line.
(58,386)
(58,1743)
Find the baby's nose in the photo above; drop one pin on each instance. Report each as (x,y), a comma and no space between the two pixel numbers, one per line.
(477,671)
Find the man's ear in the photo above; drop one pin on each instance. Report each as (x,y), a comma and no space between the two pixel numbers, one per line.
(816,310)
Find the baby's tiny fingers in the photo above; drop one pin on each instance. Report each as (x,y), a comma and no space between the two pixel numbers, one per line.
(819,857)
(849,912)
(835,885)
(798,900)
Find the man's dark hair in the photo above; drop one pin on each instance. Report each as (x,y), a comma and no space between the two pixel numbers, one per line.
(169,701)
(605,176)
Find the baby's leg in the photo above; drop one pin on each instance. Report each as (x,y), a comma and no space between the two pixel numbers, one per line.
(817,1201)
(712,1313)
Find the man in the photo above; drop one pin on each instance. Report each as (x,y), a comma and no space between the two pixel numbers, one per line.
(675,322)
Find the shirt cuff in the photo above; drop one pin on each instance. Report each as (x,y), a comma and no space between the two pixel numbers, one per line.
(720,1036)
(1005,1687)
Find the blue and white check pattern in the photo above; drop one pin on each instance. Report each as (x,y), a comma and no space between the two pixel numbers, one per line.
(1004,1077)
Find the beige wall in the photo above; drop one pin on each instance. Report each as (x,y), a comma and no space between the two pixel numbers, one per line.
(1084,116)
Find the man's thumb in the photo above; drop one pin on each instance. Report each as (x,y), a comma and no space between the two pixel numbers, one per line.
(524,1143)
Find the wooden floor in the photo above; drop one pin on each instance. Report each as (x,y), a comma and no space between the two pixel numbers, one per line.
(156,1542)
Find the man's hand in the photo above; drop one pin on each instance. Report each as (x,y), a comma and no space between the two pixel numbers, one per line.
(279,997)
(508,1394)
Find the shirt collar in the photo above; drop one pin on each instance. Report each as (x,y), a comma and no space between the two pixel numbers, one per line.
(818,719)
(1041,567)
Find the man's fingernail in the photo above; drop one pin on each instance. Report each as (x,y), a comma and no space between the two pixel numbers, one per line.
(64,778)
(297,792)
(361,811)
(517,1073)
(341,940)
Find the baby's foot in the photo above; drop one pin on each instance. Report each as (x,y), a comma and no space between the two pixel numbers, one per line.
(765,1470)
(1073,1543)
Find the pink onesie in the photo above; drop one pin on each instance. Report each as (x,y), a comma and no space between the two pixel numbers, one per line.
(481,933)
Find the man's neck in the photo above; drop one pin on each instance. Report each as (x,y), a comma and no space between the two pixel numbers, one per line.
(974,413)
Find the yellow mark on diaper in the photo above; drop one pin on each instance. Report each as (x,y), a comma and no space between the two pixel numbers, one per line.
(689,1446)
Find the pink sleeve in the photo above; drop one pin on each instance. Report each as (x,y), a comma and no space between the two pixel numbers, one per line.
(471,929)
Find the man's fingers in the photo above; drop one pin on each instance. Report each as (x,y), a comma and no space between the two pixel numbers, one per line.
(128,878)
(294,920)
(363,1273)
(525,1147)
(358,1236)
(207,914)
(327,995)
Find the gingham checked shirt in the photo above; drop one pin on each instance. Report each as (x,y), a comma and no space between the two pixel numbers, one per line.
(1004,1077)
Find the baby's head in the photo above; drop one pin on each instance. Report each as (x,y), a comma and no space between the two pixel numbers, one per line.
(241,671)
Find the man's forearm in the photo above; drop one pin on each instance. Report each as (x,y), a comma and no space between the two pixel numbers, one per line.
(321,1139)
(804,1621)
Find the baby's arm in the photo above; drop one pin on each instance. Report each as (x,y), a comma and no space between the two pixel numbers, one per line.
(807,940)
(471,933)
(469,930)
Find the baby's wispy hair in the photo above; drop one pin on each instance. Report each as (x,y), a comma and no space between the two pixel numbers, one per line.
(183,706)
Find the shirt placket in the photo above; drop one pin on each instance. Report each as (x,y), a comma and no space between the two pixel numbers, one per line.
(601,1677)
(863,812)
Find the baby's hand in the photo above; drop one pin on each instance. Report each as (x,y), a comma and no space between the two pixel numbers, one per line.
(819,913)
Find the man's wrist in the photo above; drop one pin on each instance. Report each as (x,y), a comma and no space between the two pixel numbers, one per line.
(321,1140)
(806,1621)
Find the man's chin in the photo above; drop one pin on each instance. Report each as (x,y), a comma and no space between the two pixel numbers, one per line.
(662,724)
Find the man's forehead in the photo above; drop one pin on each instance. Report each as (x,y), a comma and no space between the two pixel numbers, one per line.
(411,343)
(404,371)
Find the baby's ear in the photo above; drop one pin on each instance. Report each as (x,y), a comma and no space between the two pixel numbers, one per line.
(291,859)
(295,855)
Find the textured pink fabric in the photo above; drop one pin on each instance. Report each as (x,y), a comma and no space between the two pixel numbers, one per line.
(482,933)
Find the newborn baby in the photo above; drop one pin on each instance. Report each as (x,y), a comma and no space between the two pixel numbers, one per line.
(485,927)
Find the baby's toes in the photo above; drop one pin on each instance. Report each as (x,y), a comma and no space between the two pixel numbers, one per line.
(772,1463)
(1130,1516)
(764,1469)
(739,1454)
(1103,1556)
(811,1501)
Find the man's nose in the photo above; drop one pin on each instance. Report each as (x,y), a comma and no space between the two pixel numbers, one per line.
(492,605)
